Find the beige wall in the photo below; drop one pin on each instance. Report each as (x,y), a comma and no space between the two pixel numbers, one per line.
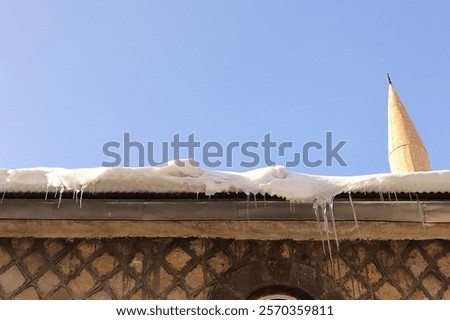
(175,268)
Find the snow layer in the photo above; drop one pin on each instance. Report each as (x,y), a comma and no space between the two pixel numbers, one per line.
(173,178)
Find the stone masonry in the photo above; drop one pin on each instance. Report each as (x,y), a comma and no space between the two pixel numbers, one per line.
(176,268)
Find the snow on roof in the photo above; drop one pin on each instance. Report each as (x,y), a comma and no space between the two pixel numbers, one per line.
(173,178)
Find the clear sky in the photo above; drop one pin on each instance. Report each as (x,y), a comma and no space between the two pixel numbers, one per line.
(77,74)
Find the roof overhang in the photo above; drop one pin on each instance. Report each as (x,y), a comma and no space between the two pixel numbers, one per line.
(225,217)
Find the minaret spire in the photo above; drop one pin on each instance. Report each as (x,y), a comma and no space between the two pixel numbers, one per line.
(407,152)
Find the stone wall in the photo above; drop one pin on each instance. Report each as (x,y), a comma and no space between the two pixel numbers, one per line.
(175,268)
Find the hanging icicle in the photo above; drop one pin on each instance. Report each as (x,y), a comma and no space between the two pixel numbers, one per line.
(354,214)
(60,197)
(316,213)
(331,205)
(421,213)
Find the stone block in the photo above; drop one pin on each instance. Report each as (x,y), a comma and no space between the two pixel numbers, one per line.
(137,263)
(53,247)
(88,247)
(27,294)
(403,279)
(418,295)
(178,259)
(195,278)
(104,264)
(11,280)
(69,264)
(21,246)
(433,284)
(371,273)
(61,294)
(5,257)
(121,284)
(220,263)
(34,263)
(82,283)
(388,292)
(177,294)
(159,280)
(416,263)
(48,282)
(443,264)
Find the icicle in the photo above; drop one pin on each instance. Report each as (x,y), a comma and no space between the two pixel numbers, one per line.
(81,196)
(411,200)
(46,193)
(389,198)
(316,212)
(327,230)
(256,203)
(60,197)
(396,199)
(197,195)
(56,192)
(248,206)
(422,214)
(3,196)
(264,197)
(382,198)
(354,214)
(330,204)
(74,195)
(292,207)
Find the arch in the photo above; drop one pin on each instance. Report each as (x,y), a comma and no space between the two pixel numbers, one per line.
(280,293)
(264,278)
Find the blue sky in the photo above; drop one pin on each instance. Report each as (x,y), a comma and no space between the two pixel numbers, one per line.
(77,74)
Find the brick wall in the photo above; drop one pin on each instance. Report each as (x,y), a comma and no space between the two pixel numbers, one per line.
(172,268)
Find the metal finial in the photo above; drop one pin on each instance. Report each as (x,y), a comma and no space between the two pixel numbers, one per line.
(389,79)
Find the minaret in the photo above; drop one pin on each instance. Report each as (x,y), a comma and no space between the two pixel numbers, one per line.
(407,152)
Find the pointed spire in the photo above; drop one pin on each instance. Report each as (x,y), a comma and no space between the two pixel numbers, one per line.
(407,152)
